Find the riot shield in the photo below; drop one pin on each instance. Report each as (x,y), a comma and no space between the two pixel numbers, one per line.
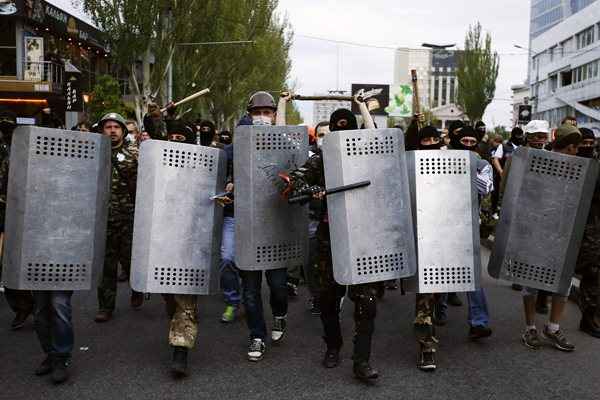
(446,214)
(544,212)
(57,209)
(371,227)
(177,227)
(269,232)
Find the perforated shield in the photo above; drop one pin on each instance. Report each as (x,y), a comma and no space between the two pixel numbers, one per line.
(446,213)
(544,211)
(269,233)
(57,205)
(371,227)
(177,227)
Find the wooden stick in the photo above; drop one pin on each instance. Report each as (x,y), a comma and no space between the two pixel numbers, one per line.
(189,98)
(415,85)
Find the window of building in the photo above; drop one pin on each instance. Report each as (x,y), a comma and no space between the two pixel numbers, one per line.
(566,78)
(436,92)
(586,37)
(8,48)
(444,90)
(552,52)
(452,91)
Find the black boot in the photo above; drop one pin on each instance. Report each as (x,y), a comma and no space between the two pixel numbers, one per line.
(426,359)
(364,371)
(179,366)
(332,358)
(589,326)
(45,367)
(60,364)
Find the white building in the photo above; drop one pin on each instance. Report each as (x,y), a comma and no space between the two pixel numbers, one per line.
(565,69)
(436,73)
(322,109)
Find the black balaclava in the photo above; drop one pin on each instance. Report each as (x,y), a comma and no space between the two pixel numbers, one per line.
(427,132)
(206,138)
(181,128)
(480,128)
(467,131)
(8,123)
(225,137)
(452,133)
(341,114)
(516,136)
(586,151)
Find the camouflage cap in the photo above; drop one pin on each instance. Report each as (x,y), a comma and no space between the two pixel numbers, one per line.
(565,135)
(118,118)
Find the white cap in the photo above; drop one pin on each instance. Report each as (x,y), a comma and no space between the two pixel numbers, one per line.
(537,126)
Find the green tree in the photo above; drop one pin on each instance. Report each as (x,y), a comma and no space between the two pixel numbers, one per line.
(501,130)
(477,72)
(106,98)
(233,71)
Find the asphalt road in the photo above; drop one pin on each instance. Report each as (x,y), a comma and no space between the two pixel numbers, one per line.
(128,358)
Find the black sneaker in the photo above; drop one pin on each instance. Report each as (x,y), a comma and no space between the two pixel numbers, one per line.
(332,358)
(59,369)
(179,365)
(479,332)
(256,350)
(531,339)
(364,371)
(278,331)
(589,327)
(426,360)
(45,367)
(558,340)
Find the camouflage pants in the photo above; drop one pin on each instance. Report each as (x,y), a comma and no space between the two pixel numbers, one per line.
(423,325)
(184,324)
(588,266)
(118,251)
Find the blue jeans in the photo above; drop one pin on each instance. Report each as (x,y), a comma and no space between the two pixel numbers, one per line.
(251,284)
(230,277)
(478,309)
(52,321)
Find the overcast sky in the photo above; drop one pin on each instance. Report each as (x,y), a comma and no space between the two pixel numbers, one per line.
(399,23)
(395,23)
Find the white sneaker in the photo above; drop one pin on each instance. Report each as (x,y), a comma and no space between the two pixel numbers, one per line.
(256,350)
(278,331)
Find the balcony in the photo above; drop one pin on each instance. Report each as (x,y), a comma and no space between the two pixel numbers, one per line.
(39,76)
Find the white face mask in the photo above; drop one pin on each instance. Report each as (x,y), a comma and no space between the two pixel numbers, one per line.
(130,137)
(319,142)
(261,120)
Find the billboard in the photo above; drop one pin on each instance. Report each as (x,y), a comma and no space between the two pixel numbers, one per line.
(381,93)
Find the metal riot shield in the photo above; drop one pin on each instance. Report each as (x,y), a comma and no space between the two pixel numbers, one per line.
(57,209)
(370,228)
(544,212)
(269,232)
(446,214)
(177,227)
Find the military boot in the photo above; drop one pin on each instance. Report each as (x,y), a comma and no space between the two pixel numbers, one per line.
(332,357)
(179,366)
(45,367)
(364,371)
(362,351)
(60,363)
(426,359)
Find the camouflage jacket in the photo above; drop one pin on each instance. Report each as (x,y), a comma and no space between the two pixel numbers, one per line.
(124,160)
(4,160)
(312,173)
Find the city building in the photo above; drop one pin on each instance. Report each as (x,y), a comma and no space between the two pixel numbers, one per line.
(436,79)
(547,13)
(565,69)
(322,109)
(38,39)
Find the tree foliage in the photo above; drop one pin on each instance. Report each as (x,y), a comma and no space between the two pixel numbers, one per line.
(478,67)
(147,36)
(106,98)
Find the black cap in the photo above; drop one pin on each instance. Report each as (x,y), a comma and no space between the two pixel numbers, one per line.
(341,114)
